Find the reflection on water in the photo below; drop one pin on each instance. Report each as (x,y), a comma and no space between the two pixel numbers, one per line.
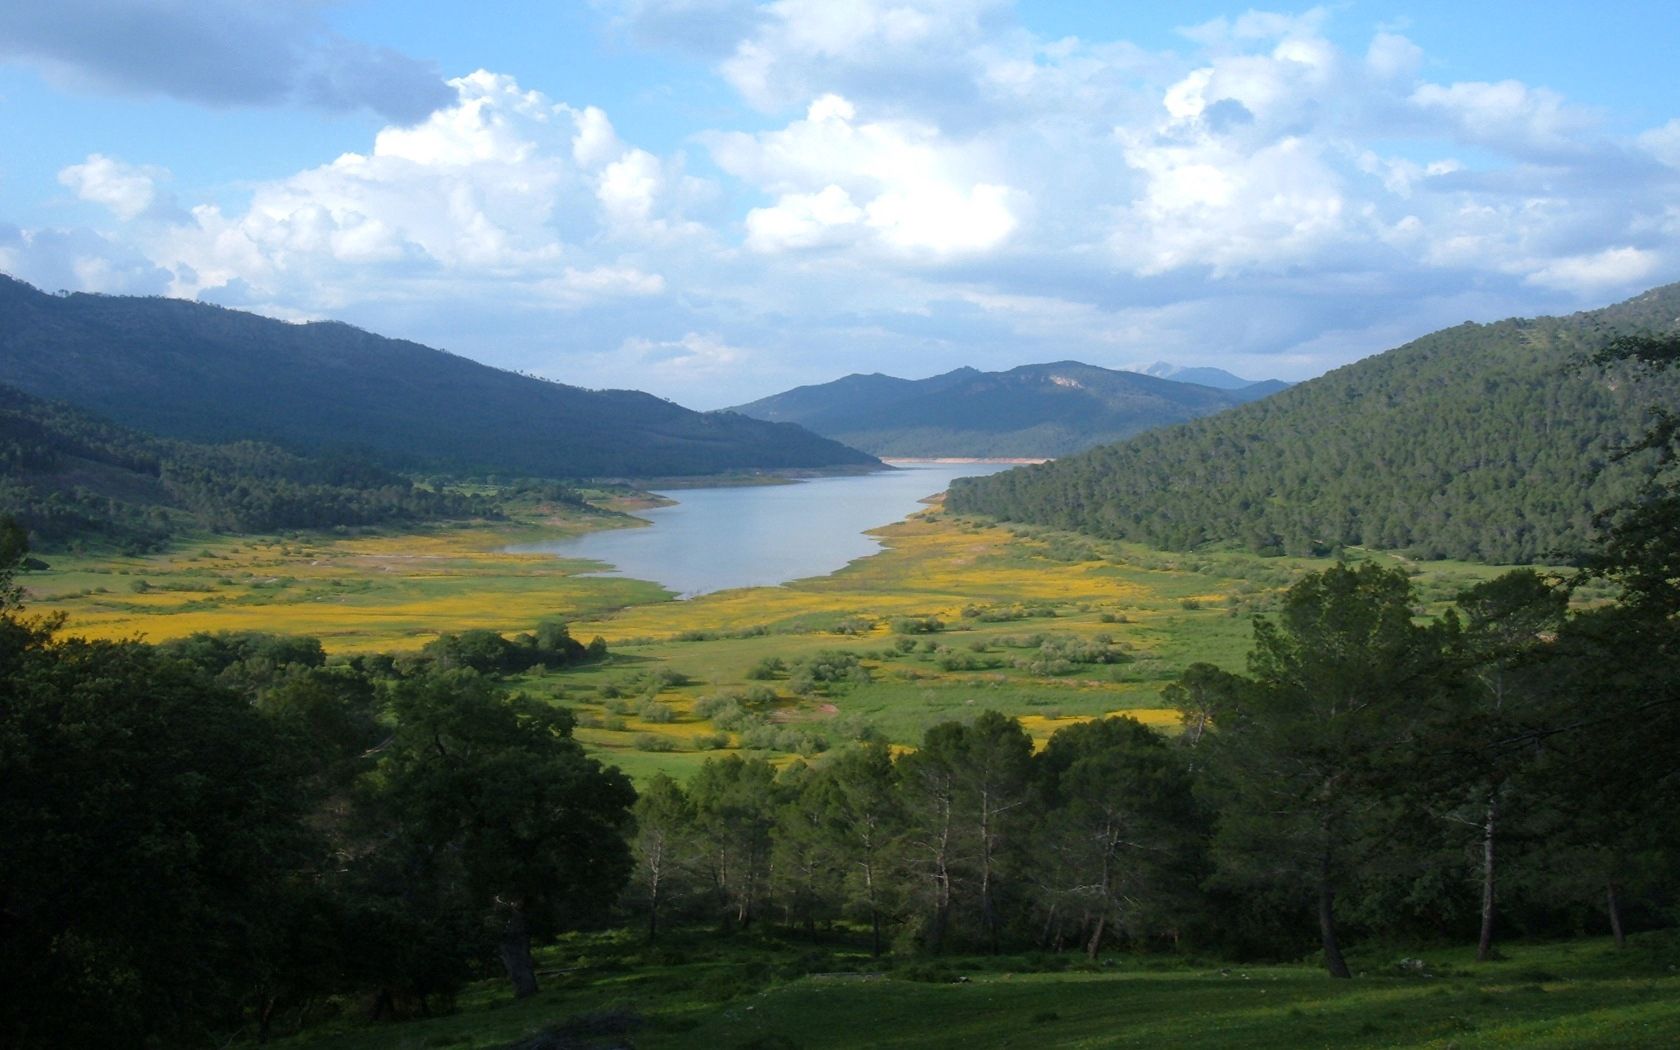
(761,535)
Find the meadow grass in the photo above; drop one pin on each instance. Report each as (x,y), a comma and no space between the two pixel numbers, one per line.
(701,989)
(999,595)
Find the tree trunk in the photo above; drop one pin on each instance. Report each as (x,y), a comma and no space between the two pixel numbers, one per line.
(516,954)
(1333,961)
(1094,945)
(1614,907)
(1484,946)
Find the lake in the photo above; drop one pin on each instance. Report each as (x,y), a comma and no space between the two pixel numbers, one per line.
(761,535)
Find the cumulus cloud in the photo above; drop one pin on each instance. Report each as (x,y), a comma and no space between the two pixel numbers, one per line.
(899,185)
(504,205)
(218,52)
(128,191)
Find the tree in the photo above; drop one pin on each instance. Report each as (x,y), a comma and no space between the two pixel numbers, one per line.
(663,844)
(735,803)
(151,824)
(493,791)
(1509,621)
(1118,825)
(1303,765)
(859,817)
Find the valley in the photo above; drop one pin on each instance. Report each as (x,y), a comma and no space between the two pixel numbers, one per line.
(998,595)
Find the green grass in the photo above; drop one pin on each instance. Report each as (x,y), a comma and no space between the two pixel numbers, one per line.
(698,990)
(389,591)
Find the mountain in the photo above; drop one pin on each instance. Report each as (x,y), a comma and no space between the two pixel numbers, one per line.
(1217,378)
(203,373)
(1034,410)
(1489,442)
(66,475)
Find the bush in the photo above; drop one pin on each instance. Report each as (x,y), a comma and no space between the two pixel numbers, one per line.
(917,625)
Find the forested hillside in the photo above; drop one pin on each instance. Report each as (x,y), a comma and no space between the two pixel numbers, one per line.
(1034,410)
(67,475)
(1487,442)
(202,373)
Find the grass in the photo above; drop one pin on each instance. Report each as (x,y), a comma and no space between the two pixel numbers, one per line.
(396,592)
(705,990)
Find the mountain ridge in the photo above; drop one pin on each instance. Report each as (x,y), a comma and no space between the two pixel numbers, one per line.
(198,372)
(1034,410)
(1495,443)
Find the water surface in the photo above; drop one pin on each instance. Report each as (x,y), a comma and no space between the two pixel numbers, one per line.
(762,535)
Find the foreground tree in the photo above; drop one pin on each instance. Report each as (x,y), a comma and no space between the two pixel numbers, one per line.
(1509,623)
(150,832)
(492,793)
(1302,766)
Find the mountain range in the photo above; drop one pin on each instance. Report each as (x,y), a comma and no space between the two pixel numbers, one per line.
(1493,442)
(203,373)
(1040,410)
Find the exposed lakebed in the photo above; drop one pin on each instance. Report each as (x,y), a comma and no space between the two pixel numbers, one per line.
(714,539)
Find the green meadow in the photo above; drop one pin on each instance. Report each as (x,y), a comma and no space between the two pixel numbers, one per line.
(954,617)
(702,990)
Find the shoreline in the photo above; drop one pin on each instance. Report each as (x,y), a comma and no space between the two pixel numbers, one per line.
(1018,460)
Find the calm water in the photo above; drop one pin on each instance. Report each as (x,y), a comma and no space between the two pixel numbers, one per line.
(761,535)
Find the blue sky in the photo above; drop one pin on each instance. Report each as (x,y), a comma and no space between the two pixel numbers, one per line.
(718,199)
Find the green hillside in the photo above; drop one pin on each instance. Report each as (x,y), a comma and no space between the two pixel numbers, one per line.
(66,475)
(1034,410)
(1486,442)
(202,373)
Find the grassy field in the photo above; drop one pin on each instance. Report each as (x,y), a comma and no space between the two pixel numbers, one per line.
(707,991)
(953,618)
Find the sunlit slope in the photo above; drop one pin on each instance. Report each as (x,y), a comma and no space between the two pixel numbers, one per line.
(1486,442)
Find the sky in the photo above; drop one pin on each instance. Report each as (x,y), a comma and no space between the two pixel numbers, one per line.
(715,200)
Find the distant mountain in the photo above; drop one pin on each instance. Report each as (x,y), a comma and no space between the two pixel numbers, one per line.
(66,475)
(1487,442)
(1030,411)
(203,373)
(1217,378)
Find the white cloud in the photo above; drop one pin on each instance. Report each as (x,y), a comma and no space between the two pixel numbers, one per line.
(804,220)
(1611,268)
(487,189)
(915,192)
(1508,115)
(127,190)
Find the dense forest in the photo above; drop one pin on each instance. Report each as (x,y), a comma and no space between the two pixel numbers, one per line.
(1495,443)
(202,373)
(66,475)
(1030,411)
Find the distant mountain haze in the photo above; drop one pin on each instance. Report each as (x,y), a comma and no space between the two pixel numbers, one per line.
(1490,442)
(203,373)
(1217,378)
(1037,410)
